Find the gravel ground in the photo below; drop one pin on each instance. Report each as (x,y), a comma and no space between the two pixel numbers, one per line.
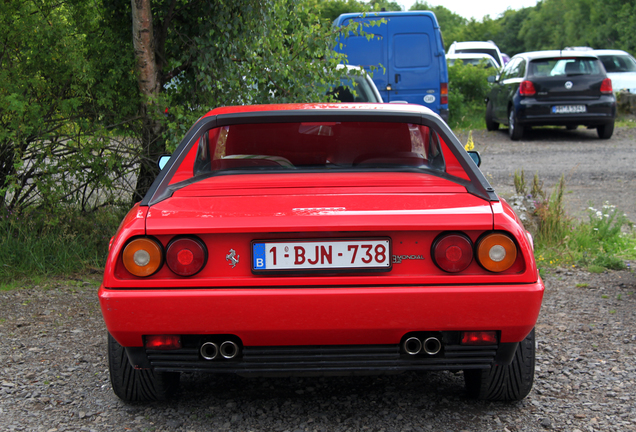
(54,377)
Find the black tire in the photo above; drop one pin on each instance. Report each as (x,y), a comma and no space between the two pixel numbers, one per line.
(505,383)
(571,127)
(491,125)
(605,131)
(515,130)
(138,385)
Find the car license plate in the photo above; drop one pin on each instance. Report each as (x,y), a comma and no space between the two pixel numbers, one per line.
(568,109)
(324,255)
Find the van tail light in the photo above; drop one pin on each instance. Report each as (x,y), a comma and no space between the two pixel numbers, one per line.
(606,86)
(496,252)
(186,256)
(143,256)
(444,94)
(452,252)
(479,338)
(162,342)
(526,88)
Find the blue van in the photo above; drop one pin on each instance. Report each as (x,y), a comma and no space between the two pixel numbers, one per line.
(409,46)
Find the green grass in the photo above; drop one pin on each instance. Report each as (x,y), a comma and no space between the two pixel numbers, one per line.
(605,241)
(39,244)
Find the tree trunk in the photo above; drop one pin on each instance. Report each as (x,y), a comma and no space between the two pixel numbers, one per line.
(149,85)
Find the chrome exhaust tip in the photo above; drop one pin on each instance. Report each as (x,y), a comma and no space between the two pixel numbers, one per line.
(229,350)
(432,346)
(209,351)
(412,346)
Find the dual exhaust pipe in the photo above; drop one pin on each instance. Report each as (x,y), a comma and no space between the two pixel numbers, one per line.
(414,346)
(227,350)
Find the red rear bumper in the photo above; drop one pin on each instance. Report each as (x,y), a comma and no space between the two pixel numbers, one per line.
(321,316)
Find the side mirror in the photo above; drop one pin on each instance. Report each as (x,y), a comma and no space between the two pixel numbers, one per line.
(163,160)
(475,156)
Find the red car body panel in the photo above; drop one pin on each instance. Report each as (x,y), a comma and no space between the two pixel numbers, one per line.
(322,316)
(411,208)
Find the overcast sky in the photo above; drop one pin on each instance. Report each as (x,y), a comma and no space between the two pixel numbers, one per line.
(475,8)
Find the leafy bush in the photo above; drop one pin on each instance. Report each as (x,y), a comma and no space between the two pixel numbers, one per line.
(467,89)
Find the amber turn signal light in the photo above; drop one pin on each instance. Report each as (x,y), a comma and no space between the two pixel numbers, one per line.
(496,252)
(142,257)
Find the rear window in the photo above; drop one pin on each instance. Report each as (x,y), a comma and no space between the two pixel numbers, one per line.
(565,67)
(318,146)
(492,52)
(618,63)
(354,89)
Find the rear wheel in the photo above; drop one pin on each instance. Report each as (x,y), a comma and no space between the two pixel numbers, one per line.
(491,125)
(137,385)
(605,131)
(515,130)
(505,383)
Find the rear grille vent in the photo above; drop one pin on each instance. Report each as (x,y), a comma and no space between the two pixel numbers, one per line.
(325,359)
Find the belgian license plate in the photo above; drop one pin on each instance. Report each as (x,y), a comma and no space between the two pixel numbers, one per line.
(568,109)
(304,255)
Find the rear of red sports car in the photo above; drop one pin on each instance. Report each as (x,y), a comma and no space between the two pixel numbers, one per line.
(321,239)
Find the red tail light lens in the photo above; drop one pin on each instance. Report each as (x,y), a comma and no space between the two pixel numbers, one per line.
(142,256)
(186,256)
(496,252)
(606,86)
(163,342)
(444,94)
(479,338)
(526,88)
(452,252)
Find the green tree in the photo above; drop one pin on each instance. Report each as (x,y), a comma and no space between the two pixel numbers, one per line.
(450,23)
(329,10)
(224,53)
(58,76)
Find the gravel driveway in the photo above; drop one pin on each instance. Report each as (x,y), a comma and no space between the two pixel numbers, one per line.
(53,369)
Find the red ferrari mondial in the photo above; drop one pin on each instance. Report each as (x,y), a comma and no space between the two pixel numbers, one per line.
(321,239)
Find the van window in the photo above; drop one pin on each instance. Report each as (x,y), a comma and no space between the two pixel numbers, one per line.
(412,50)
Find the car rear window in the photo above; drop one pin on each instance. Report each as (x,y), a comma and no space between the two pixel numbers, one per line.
(492,52)
(354,89)
(318,146)
(618,63)
(564,67)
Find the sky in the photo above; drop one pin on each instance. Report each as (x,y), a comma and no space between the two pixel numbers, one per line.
(474,8)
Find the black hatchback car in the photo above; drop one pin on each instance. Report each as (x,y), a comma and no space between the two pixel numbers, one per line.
(560,88)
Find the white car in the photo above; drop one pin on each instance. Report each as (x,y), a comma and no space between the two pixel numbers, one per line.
(365,89)
(473,59)
(472,47)
(620,67)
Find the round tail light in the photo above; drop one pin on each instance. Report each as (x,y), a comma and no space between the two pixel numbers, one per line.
(452,252)
(496,252)
(142,257)
(186,256)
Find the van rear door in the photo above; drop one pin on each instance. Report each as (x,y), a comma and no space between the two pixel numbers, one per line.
(414,72)
(410,49)
(370,52)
